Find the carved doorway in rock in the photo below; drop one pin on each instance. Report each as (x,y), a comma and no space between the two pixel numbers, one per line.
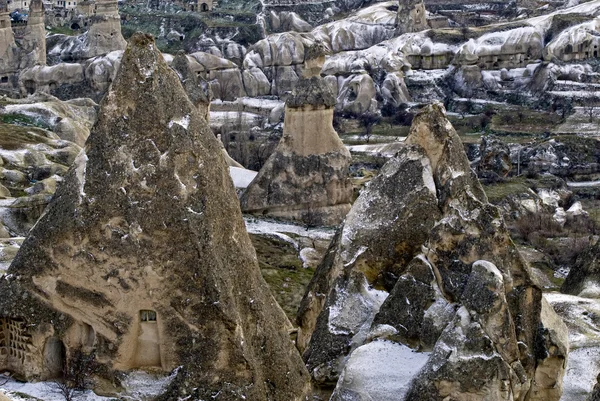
(54,358)
(148,349)
(204,7)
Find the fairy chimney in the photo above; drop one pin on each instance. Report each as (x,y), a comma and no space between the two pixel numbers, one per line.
(306,178)
(143,256)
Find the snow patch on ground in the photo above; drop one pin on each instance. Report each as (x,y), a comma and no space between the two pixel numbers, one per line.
(140,385)
(268,226)
(45,391)
(381,370)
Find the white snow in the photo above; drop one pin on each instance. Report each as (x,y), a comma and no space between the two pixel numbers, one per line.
(80,166)
(583,363)
(183,122)
(583,184)
(353,313)
(267,226)
(381,370)
(241,177)
(45,391)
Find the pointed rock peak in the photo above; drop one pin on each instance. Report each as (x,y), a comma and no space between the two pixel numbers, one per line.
(312,91)
(432,130)
(144,250)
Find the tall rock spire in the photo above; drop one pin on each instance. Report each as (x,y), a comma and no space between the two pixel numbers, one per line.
(411,17)
(144,253)
(34,40)
(306,178)
(105,35)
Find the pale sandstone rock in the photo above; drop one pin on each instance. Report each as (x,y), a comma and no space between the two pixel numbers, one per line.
(306,178)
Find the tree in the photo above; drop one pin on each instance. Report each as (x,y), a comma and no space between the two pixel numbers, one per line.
(77,375)
(368,120)
(590,108)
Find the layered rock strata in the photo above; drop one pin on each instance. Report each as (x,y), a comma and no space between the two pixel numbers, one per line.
(306,178)
(424,270)
(144,259)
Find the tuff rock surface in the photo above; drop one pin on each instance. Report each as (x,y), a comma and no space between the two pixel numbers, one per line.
(584,277)
(425,262)
(146,222)
(306,177)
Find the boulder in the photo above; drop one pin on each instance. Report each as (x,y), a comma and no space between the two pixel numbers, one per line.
(143,256)
(306,177)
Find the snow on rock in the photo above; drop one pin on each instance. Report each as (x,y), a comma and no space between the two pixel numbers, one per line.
(583,364)
(380,370)
(576,209)
(241,177)
(365,28)
(263,226)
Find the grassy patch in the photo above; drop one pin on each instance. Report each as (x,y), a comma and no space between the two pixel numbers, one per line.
(523,121)
(63,30)
(282,270)
(19,119)
(511,186)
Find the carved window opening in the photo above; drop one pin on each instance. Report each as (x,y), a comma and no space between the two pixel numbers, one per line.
(4,80)
(14,341)
(2,24)
(148,316)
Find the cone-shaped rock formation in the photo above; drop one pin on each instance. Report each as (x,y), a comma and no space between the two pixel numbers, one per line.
(306,178)
(425,291)
(143,256)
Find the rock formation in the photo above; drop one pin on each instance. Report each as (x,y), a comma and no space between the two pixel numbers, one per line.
(198,89)
(8,48)
(411,17)
(584,277)
(306,178)
(105,35)
(144,258)
(34,40)
(423,270)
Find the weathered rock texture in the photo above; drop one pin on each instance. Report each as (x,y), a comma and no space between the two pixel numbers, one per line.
(34,39)
(424,261)
(411,16)
(198,89)
(143,256)
(306,178)
(584,277)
